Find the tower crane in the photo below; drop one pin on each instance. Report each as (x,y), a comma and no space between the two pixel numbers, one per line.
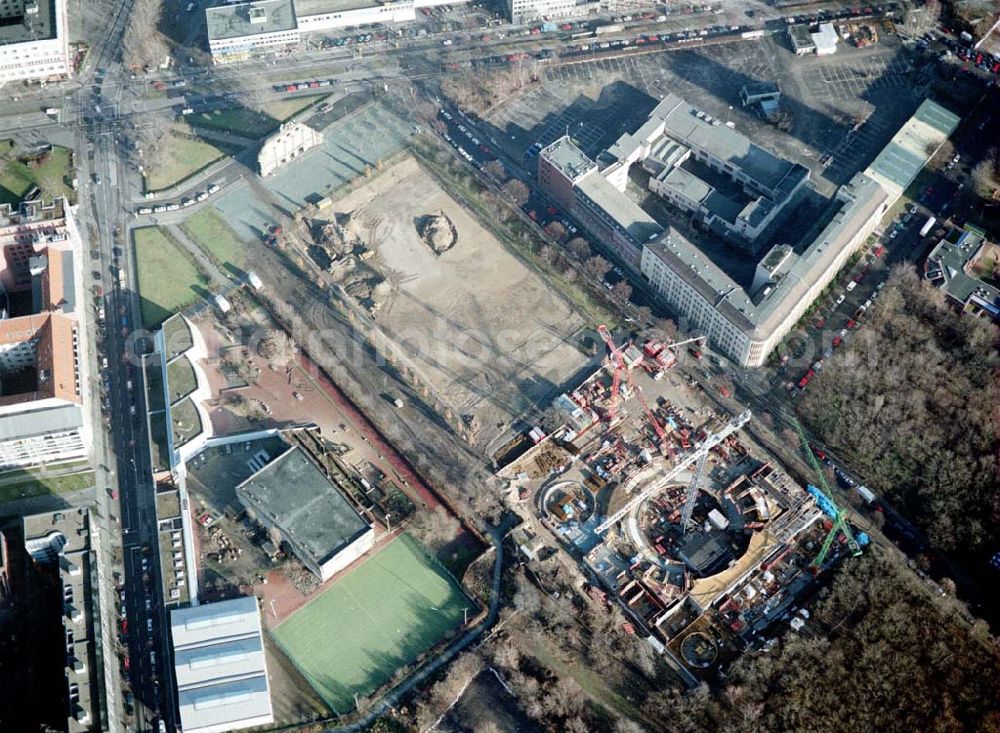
(711,440)
(692,492)
(824,498)
(620,369)
(675,344)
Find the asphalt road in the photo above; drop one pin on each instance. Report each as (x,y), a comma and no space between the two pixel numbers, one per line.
(131,518)
(95,107)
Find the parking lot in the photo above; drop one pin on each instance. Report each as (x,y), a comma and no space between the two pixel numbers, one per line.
(840,110)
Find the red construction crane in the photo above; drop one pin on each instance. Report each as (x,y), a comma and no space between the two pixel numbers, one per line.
(619,365)
(619,362)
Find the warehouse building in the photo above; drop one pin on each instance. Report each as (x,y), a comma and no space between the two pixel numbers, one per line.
(917,141)
(219,666)
(301,507)
(34,40)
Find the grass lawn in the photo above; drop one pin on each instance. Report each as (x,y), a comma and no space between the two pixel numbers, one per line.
(379,617)
(180,379)
(167,278)
(187,423)
(24,483)
(210,232)
(282,109)
(177,336)
(248,123)
(240,121)
(179,158)
(53,177)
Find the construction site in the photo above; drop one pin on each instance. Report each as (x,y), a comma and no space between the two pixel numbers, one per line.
(671,512)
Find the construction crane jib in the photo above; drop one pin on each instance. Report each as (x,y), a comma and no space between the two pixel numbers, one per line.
(712,440)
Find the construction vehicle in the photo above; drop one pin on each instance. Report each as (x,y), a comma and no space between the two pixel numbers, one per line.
(271,234)
(824,500)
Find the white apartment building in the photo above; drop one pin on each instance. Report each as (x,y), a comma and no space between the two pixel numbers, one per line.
(34,43)
(239,32)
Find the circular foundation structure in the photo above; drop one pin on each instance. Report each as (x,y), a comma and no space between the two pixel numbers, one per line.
(699,650)
(567,501)
(706,547)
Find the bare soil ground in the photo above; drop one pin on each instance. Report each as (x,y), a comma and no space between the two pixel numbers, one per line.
(475,322)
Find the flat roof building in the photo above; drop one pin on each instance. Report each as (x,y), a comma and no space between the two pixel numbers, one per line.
(237,32)
(801,40)
(34,40)
(574,182)
(41,414)
(61,541)
(917,141)
(762,95)
(736,186)
(219,666)
(952,268)
(299,504)
(526,11)
(748,325)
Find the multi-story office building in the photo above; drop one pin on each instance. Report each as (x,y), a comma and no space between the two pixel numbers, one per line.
(703,165)
(738,190)
(59,543)
(41,414)
(34,43)
(238,32)
(526,11)
(747,324)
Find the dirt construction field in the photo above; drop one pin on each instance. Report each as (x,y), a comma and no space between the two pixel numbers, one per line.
(479,326)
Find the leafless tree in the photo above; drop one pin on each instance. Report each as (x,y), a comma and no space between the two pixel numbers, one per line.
(579,248)
(252,90)
(496,169)
(985,178)
(555,231)
(597,266)
(147,135)
(621,291)
(143,46)
(435,528)
(277,349)
(517,191)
